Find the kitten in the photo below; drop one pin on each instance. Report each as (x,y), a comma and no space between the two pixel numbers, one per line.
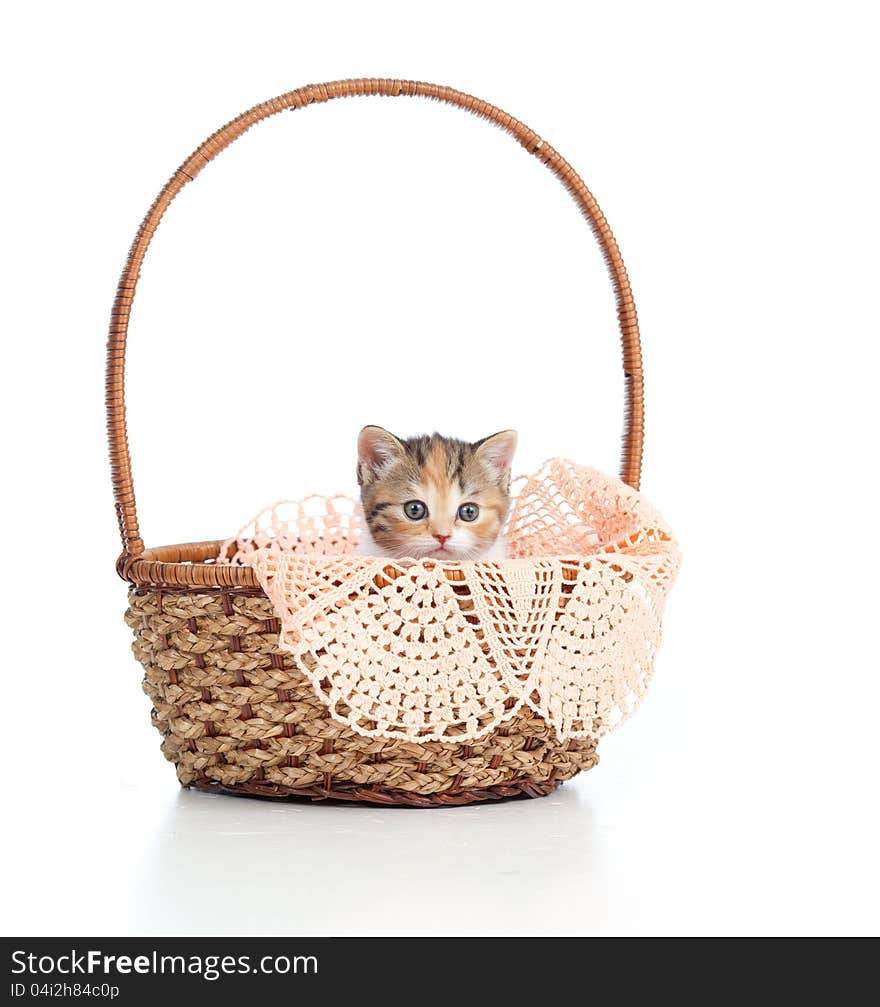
(434,497)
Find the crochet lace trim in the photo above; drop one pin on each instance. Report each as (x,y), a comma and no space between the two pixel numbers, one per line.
(423,650)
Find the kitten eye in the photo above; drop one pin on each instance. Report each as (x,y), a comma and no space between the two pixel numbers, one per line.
(468,512)
(415,510)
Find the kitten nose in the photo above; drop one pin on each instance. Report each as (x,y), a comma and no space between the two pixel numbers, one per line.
(442,539)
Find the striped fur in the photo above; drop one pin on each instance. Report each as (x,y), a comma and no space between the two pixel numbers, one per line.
(442,473)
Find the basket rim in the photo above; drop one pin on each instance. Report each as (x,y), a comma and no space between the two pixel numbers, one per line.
(186,566)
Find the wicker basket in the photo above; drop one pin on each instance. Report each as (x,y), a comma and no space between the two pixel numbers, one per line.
(234,712)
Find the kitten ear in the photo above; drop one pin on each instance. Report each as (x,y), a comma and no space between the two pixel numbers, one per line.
(376,448)
(497,451)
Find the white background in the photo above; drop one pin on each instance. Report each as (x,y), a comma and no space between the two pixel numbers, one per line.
(403,263)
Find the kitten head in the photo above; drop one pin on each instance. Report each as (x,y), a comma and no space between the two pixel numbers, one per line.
(434,496)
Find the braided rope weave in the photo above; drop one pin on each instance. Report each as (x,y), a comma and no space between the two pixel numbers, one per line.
(236,713)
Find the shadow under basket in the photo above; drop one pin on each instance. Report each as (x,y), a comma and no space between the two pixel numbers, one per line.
(234,712)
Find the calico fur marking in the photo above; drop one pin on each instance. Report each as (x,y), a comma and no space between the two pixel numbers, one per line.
(463,489)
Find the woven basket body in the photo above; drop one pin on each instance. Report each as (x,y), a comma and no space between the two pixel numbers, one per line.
(236,715)
(234,711)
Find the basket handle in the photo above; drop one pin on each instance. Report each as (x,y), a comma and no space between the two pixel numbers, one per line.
(120,459)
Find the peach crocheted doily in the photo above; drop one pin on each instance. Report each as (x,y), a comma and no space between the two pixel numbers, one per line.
(422,650)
